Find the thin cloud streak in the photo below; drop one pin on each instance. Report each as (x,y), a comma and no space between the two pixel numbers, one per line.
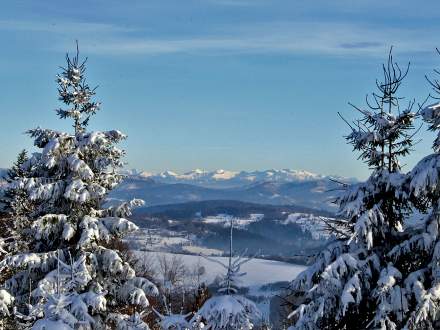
(292,38)
(322,38)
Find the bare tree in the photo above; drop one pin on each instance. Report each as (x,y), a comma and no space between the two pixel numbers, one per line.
(172,269)
(145,265)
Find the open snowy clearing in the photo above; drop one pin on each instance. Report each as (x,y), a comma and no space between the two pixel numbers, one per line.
(259,271)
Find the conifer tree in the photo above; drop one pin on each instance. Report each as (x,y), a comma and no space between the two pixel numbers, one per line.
(228,310)
(171,321)
(353,282)
(70,277)
(417,256)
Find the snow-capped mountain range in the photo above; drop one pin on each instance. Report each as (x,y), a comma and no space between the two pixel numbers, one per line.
(225,178)
(275,187)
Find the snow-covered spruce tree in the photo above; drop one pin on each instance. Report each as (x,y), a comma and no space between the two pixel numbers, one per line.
(229,310)
(417,257)
(354,283)
(71,277)
(171,321)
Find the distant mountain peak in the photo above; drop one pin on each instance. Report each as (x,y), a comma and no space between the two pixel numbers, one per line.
(196,171)
(169,173)
(223,175)
(145,174)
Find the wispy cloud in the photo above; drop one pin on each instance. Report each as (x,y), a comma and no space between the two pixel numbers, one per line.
(327,38)
(362,45)
(292,38)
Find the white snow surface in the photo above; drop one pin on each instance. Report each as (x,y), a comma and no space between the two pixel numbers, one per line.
(224,220)
(256,270)
(308,223)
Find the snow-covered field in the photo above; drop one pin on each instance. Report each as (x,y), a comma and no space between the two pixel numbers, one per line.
(224,219)
(257,269)
(309,223)
(159,240)
(193,249)
(259,272)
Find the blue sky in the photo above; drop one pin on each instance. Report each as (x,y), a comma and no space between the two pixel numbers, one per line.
(234,84)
